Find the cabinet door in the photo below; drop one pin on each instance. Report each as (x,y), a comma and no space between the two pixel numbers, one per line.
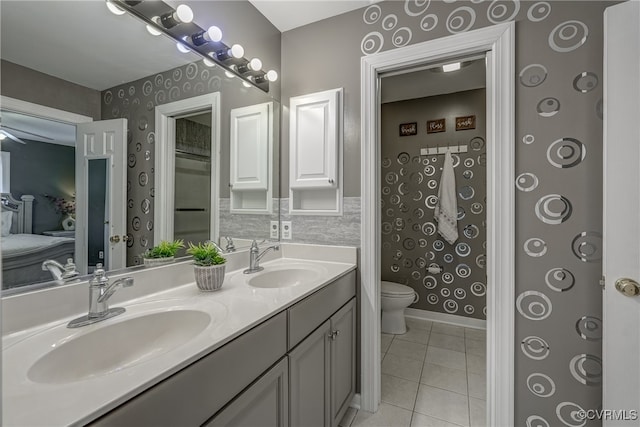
(315,138)
(343,360)
(263,404)
(251,146)
(309,380)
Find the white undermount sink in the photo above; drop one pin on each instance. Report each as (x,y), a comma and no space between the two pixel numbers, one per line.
(285,276)
(143,333)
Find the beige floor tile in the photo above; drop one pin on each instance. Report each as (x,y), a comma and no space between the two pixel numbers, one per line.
(475,334)
(420,336)
(402,367)
(444,357)
(399,392)
(476,364)
(443,328)
(443,405)
(408,349)
(477,386)
(449,342)
(420,420)
(415,323)
(477,412)
(385,342)
(444,377)
(387,416)
(476,347)
(348,417)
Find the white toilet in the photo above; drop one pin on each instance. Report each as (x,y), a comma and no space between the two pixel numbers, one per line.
(395,298)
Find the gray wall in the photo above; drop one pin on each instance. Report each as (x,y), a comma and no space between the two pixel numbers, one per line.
(137,100)
(33,86)
(54,175)
(410,241)
(558,249)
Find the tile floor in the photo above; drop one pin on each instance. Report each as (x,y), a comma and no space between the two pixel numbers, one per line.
(432,376)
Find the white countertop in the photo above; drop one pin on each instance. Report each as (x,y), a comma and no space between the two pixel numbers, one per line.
(235,309)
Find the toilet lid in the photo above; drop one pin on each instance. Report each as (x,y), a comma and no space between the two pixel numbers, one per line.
(395,289)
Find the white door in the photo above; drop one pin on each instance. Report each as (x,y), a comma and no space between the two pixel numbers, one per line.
(102,143)
(621,253)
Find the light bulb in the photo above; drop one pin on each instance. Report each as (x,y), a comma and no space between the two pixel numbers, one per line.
(272,75)
(208,62)
(184,13)
(153,31)
(255,64)
(245,84)
(237,51)
(2,136)
(115,9)
(214,33)
(229,74)
(182,48)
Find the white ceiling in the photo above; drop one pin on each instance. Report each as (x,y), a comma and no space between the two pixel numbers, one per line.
(286,15)
(37,129)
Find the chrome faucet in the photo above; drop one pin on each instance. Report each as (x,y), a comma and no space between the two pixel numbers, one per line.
(100,290)
(61,273)
(230,245)
(255,255)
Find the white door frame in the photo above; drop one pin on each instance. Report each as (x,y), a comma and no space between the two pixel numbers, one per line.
(165,162)
(498,43)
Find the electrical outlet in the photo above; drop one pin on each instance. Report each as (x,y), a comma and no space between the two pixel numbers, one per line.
(274,231)
(101,255)
(287,232)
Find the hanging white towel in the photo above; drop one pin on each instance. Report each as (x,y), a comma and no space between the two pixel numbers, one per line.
(446,212)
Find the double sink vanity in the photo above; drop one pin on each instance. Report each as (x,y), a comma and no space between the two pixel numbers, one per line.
(273,348)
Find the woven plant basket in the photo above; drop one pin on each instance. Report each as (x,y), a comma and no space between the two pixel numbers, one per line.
(209,278)
(154,262)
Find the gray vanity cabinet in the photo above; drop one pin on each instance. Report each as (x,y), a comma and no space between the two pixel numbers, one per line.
(263,404)
(322,371)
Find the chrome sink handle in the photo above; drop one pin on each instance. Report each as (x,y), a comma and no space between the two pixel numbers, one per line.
(255,256)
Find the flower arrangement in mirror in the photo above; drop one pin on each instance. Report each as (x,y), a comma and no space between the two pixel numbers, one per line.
(65,207)
(162,253)
(208,265)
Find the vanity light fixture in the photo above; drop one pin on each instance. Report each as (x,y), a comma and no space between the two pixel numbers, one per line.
(183,13)
(177,24)
(451,67)
(213,34)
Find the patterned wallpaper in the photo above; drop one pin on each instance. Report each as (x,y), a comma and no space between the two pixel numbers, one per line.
(410,183)
(136,101)
(559,189)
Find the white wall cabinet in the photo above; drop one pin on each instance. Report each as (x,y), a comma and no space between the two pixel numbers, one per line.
(251,156)
(315,151)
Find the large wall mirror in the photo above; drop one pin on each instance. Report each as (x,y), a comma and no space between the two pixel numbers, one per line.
(198,158)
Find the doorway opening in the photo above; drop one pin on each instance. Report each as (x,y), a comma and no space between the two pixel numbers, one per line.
(497,43)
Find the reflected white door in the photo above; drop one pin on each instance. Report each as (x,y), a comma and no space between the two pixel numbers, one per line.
(621,256)
(102,140)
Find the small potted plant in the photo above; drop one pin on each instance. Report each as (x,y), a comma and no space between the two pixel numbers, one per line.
(209,265)
(163,253)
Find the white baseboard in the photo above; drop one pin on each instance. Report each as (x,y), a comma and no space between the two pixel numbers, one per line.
(356,401)
(451,319)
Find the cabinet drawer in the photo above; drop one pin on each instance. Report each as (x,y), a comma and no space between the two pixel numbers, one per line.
(194,394)
(311,312)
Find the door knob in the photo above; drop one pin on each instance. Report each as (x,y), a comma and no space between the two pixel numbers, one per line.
(114,239)
(629,287)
